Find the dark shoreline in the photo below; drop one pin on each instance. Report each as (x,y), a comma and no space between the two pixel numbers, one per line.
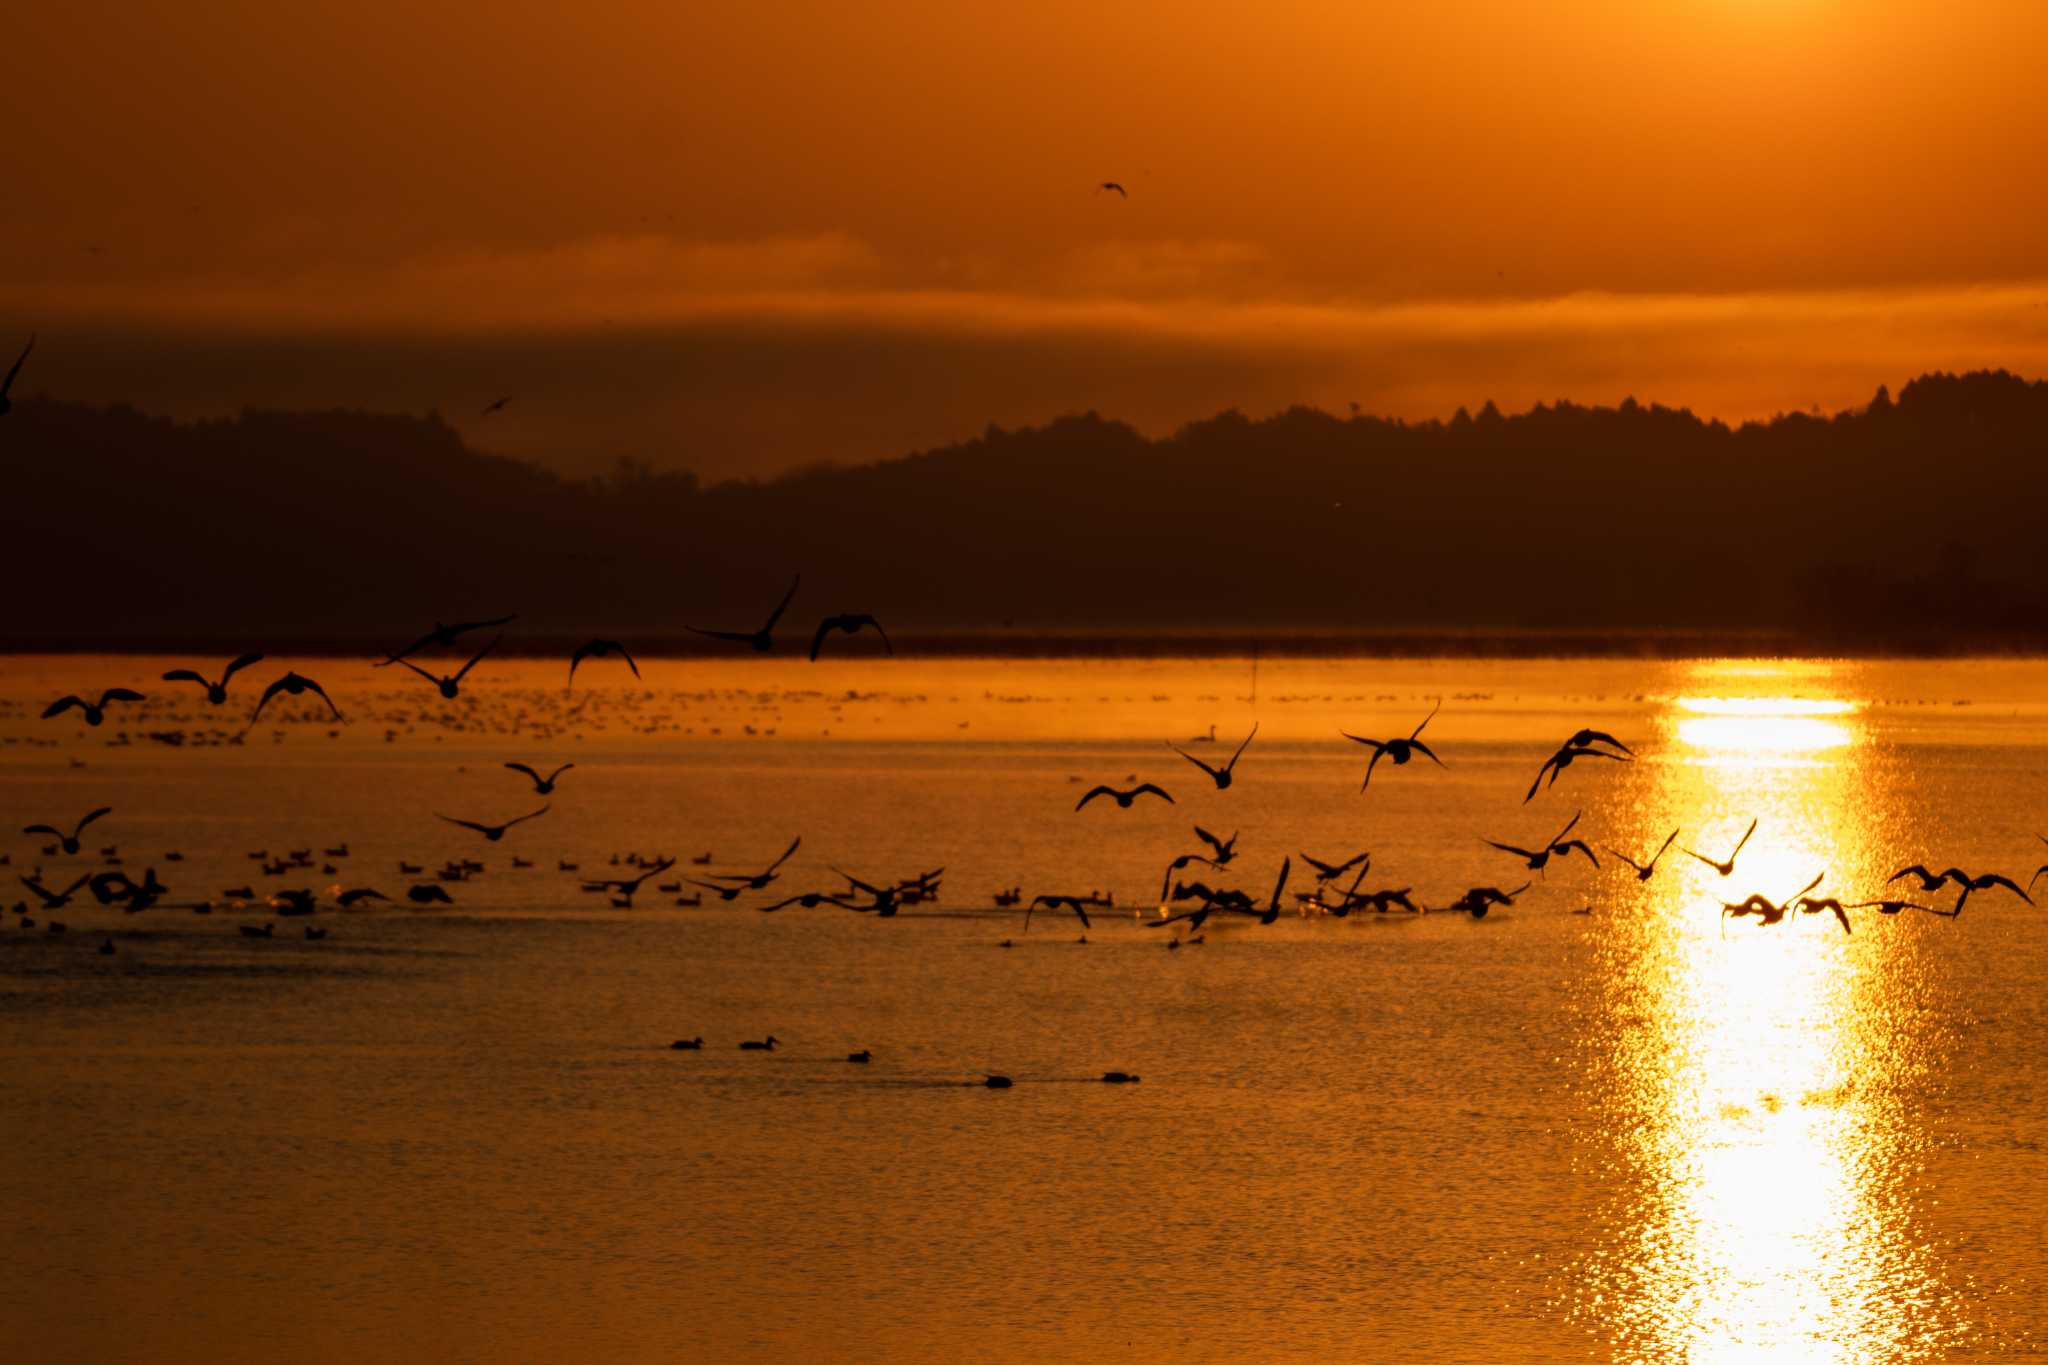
(1151,643)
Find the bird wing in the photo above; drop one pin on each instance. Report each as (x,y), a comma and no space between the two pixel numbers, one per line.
(89,818)
(1569,825)
(794,845)
(1663,846)
(1206,837)
(317,690)
(1286,866)
(871,621)
(186,675)
(1419,747)
(1082,911)
(1842,915)
(238,665)
(119,694)
(565,768)
(1548,764)
(627,655)
(1373,762)
(1743,840)
(522,768)
(818,639)
(1092,794)
(1156,790)
(467,824)
(1510,848)
(1242,747)
(531,815)
(740,636)
(15,368)
(408,663)
(50,830)
(1323,870)
(1615,852)
(61,705)
(264,700)
(1603,737)
(1991,879)
(781,606)
(478,656)
(1426,720)
(1373,744)
(1213,772)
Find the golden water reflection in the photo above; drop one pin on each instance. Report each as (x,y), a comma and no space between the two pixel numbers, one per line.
(1754,1070)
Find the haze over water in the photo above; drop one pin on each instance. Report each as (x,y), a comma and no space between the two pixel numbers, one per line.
(1636,1134)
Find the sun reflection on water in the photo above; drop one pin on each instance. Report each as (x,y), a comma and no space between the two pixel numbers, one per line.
(1751,1082)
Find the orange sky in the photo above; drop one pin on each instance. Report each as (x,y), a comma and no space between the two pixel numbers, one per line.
(739,237)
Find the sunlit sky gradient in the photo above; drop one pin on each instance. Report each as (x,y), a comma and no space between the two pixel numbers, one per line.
(741,237)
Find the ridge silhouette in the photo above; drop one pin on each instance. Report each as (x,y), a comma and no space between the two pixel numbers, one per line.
(1904,523)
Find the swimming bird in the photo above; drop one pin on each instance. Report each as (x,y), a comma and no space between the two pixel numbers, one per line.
(1124,798)
(441,637)
(763,639)
(6,403)
(95,711)
(69,842)
(1220,776)
(493,833)
(687,1045)
(765,1045)
(1224,849)
(451,682)
(216,692)
(55,900)
(427,893)
(1118,1078)
(600,649)
(1073,903)
(756,881)
(996,1083)
(1643,870)
(863,1056)
(542,786)
(1726,868)
(847,624)
(1539,858)
(357,894)
(251,931)
(294,685)
(1397,751)
(1568,754)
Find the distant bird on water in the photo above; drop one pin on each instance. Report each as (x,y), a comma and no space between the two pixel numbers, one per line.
(851,623)
(216,692)
(493,833)
(1397,751)
(600,649)
(68,841)
(7,404)
(441,637)
(95,711)
(763,639)
(1124,798)
(1726,868)
(1220,776)
(294,685)
(542,786)
(451,682)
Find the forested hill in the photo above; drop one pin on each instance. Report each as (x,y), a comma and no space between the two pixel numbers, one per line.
(1913,523)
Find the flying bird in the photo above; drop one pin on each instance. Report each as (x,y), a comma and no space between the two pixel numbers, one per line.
(763,639)
(1073,903)
(1559,846)
(95,711)
(1726,868)
(441,637)
(848,624)
(542,786)
(1643,870)
(1571,751)
(1112,185)
(756,881)
(7,404)
(1177,864)
(216,692)
(1220,776)
(1124,798)
(453,681)
(69,841)
(1224,850)
(600,649)
(1982,882)
(293,685)
(1397,751)
(56,900)
(493,833)
(1329,872)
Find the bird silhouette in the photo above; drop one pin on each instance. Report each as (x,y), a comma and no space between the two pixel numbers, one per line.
(1177,864)
(1222,849)
(1220,776)
(55,900)
(1480,899)
(542,786)
(452,682)
(1113,185)
(216,692)
(427,893)
(1397,751)
(1643,870)
(1983,881)
(442,637)
(600,649)
(1329,872)
(95,711)
(355,895)
(1814,905)
(763,639)
(68,841)
(6,403)
(756,881)
(1560,847)
(493,833)
(1570,752)
(1894,907)
(495,405)
(1727,866)
(847,624)
(1929,881)
(1124,798)
(294,685)
(1073,903)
